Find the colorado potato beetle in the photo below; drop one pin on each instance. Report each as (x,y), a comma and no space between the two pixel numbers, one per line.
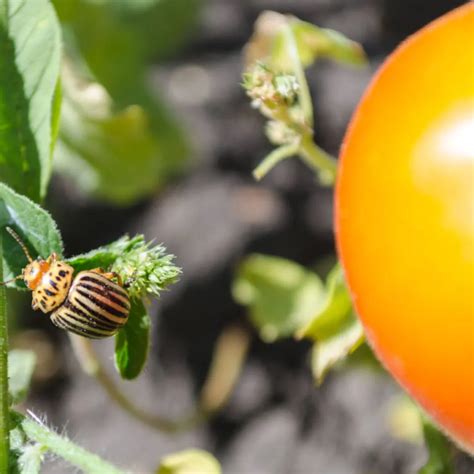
(91,304)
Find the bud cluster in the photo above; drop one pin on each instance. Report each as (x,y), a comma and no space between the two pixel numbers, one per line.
(270,89)
(275,94)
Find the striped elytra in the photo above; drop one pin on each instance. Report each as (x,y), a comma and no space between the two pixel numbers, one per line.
(91,305)
(95,307)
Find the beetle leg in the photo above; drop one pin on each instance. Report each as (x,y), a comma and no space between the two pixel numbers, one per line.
(112,276)
(108,275)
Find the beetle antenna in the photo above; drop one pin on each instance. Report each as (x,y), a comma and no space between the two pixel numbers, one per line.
(3,283)
(20,243)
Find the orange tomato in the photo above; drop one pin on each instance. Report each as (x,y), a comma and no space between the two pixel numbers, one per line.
(404,218)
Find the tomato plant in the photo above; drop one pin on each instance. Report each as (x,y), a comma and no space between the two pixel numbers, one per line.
(405,218)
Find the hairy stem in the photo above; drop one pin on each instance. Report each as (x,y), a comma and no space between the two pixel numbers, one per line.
(4,402)
(219,376)
(66,449)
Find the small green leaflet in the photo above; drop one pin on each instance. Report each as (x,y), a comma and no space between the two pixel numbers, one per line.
(335,328)
(314,42)
(191,461)
(281,295)
(269,43)
(132,342)
(285,299)
(21,365)
(328,351)
(31,458)
(335,310)
(106,255)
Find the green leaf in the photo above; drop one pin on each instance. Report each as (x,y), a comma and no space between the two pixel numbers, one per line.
(29,68)
(439,455)
(117,39)
(405,420)
(270,43)
(34,225)
(334,327)
(17,437)
(314,42)
(31,458)
(137,146)
(17,442)
(281,295)
(128,6)
(132,342)
(21,365)
(191,461)
(334,313)
(56,114)
(115,156)
(327,352)
(106,255)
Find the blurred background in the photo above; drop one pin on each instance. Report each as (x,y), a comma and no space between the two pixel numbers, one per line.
(152,87)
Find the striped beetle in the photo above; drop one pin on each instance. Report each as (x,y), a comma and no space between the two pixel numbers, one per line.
(90,304)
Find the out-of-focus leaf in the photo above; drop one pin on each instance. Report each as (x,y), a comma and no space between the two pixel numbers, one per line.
(334,313)
(116,41)
(112,155)
(56,114)
(191,461)
(269,44)
(228,360)
(132,342)
(165,26)
(31,458)
(114,158)
(334,328)
(21,365)
(34,225)
(29,68)
(404,419)
(281,295)
(363,356)
(439,455)
(126,5)
(314,42)
(330,350)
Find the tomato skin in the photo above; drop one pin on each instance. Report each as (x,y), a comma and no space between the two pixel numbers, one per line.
(404,218)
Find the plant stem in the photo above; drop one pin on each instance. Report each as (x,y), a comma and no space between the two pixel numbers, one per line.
(273,158)
(91,364)
(305,95)
(4,399)
(316,158)
(66,449)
